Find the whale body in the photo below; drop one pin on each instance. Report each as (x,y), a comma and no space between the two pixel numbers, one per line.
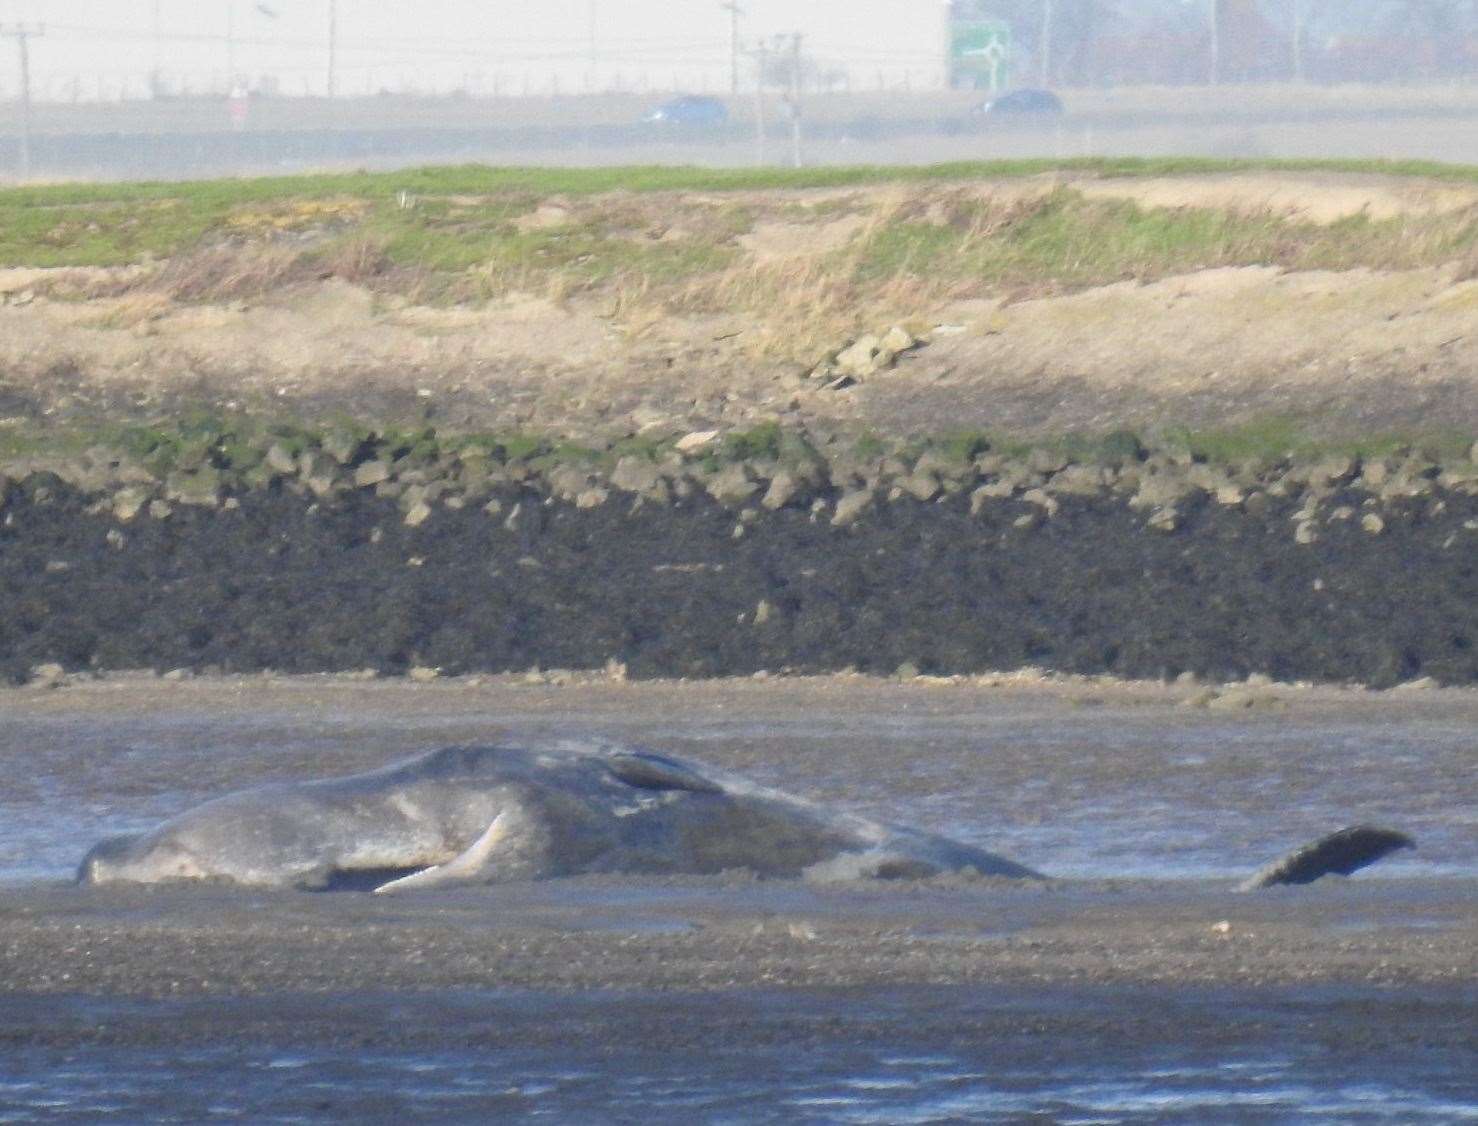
(484,814)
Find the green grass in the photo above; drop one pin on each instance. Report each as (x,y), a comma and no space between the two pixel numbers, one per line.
(1270,439)
(1072,241)
(111,224)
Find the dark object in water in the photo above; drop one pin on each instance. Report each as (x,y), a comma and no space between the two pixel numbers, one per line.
(1340,853)
(489,814)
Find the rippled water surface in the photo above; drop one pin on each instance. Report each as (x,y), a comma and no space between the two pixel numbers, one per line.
(1078,788)
(904,1056)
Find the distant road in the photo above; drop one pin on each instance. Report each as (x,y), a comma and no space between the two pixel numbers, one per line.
(144,146)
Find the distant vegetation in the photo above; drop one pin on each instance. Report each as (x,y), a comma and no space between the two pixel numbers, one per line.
(807,261)
(116,224)
(650,242)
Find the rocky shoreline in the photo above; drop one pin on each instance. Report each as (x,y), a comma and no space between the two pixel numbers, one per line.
(208,547)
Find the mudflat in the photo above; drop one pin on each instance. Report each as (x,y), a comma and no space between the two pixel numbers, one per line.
(721,933)
(1009,747)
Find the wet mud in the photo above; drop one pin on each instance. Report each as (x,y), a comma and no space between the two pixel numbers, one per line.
(691,589)
(732,932)
(899,1054)
(727,998)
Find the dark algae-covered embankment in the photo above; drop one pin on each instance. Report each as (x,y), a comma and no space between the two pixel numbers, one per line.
(1136,417)
(708,555)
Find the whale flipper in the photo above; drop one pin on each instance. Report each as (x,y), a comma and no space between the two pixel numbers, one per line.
(1339,853)
(468,866)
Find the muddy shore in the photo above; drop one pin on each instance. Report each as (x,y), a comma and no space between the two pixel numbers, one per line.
(690,934)
(940,571)
(721,997)
(713,933)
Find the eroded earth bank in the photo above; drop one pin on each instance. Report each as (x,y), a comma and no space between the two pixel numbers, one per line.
(1108,417)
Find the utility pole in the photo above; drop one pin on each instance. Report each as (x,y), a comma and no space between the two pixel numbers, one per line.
(230,44)
(156,75)
(734,13)
(1044,48)
(761,63)
(795,99)
(333,42)
(22,34)
(1216,42)
(1300,14)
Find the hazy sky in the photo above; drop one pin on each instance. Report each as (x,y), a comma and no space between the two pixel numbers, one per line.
(98,48)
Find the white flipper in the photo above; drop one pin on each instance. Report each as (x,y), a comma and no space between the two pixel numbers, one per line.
(468,866)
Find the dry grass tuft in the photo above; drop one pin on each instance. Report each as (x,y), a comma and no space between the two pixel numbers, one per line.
(360,260)
(275,216)
(229,273)
(134,309)
(801,307)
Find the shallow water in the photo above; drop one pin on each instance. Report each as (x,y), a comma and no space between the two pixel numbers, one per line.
(1075,791)
(1076,788)
(900,1056)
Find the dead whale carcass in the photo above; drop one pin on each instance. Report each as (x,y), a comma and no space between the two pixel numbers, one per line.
(485,814)
(466,815)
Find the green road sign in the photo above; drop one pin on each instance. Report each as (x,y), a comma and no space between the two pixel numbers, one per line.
(980,53)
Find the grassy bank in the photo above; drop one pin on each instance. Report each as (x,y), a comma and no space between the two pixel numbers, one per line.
(791,248)
(592,301)
(116,224)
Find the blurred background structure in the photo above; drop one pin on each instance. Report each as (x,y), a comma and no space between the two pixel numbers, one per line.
(131,49)
(544,76)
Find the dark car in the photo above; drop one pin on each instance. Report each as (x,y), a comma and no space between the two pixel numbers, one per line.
(1023,103)
(690,109)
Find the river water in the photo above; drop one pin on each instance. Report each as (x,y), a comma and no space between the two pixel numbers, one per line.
(1090,787)
(901,1056)
(1082,786)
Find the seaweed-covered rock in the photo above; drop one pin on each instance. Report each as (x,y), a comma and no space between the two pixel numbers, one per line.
(281,459)
(567,481)
(1046,462)
(199,487)
(128,502)
(635,475)
(696,442)
(1162,490)
(922,486)
(1043,500)
(732,485)
(785,488)
(850,507)
(1081,480)
(371,473)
